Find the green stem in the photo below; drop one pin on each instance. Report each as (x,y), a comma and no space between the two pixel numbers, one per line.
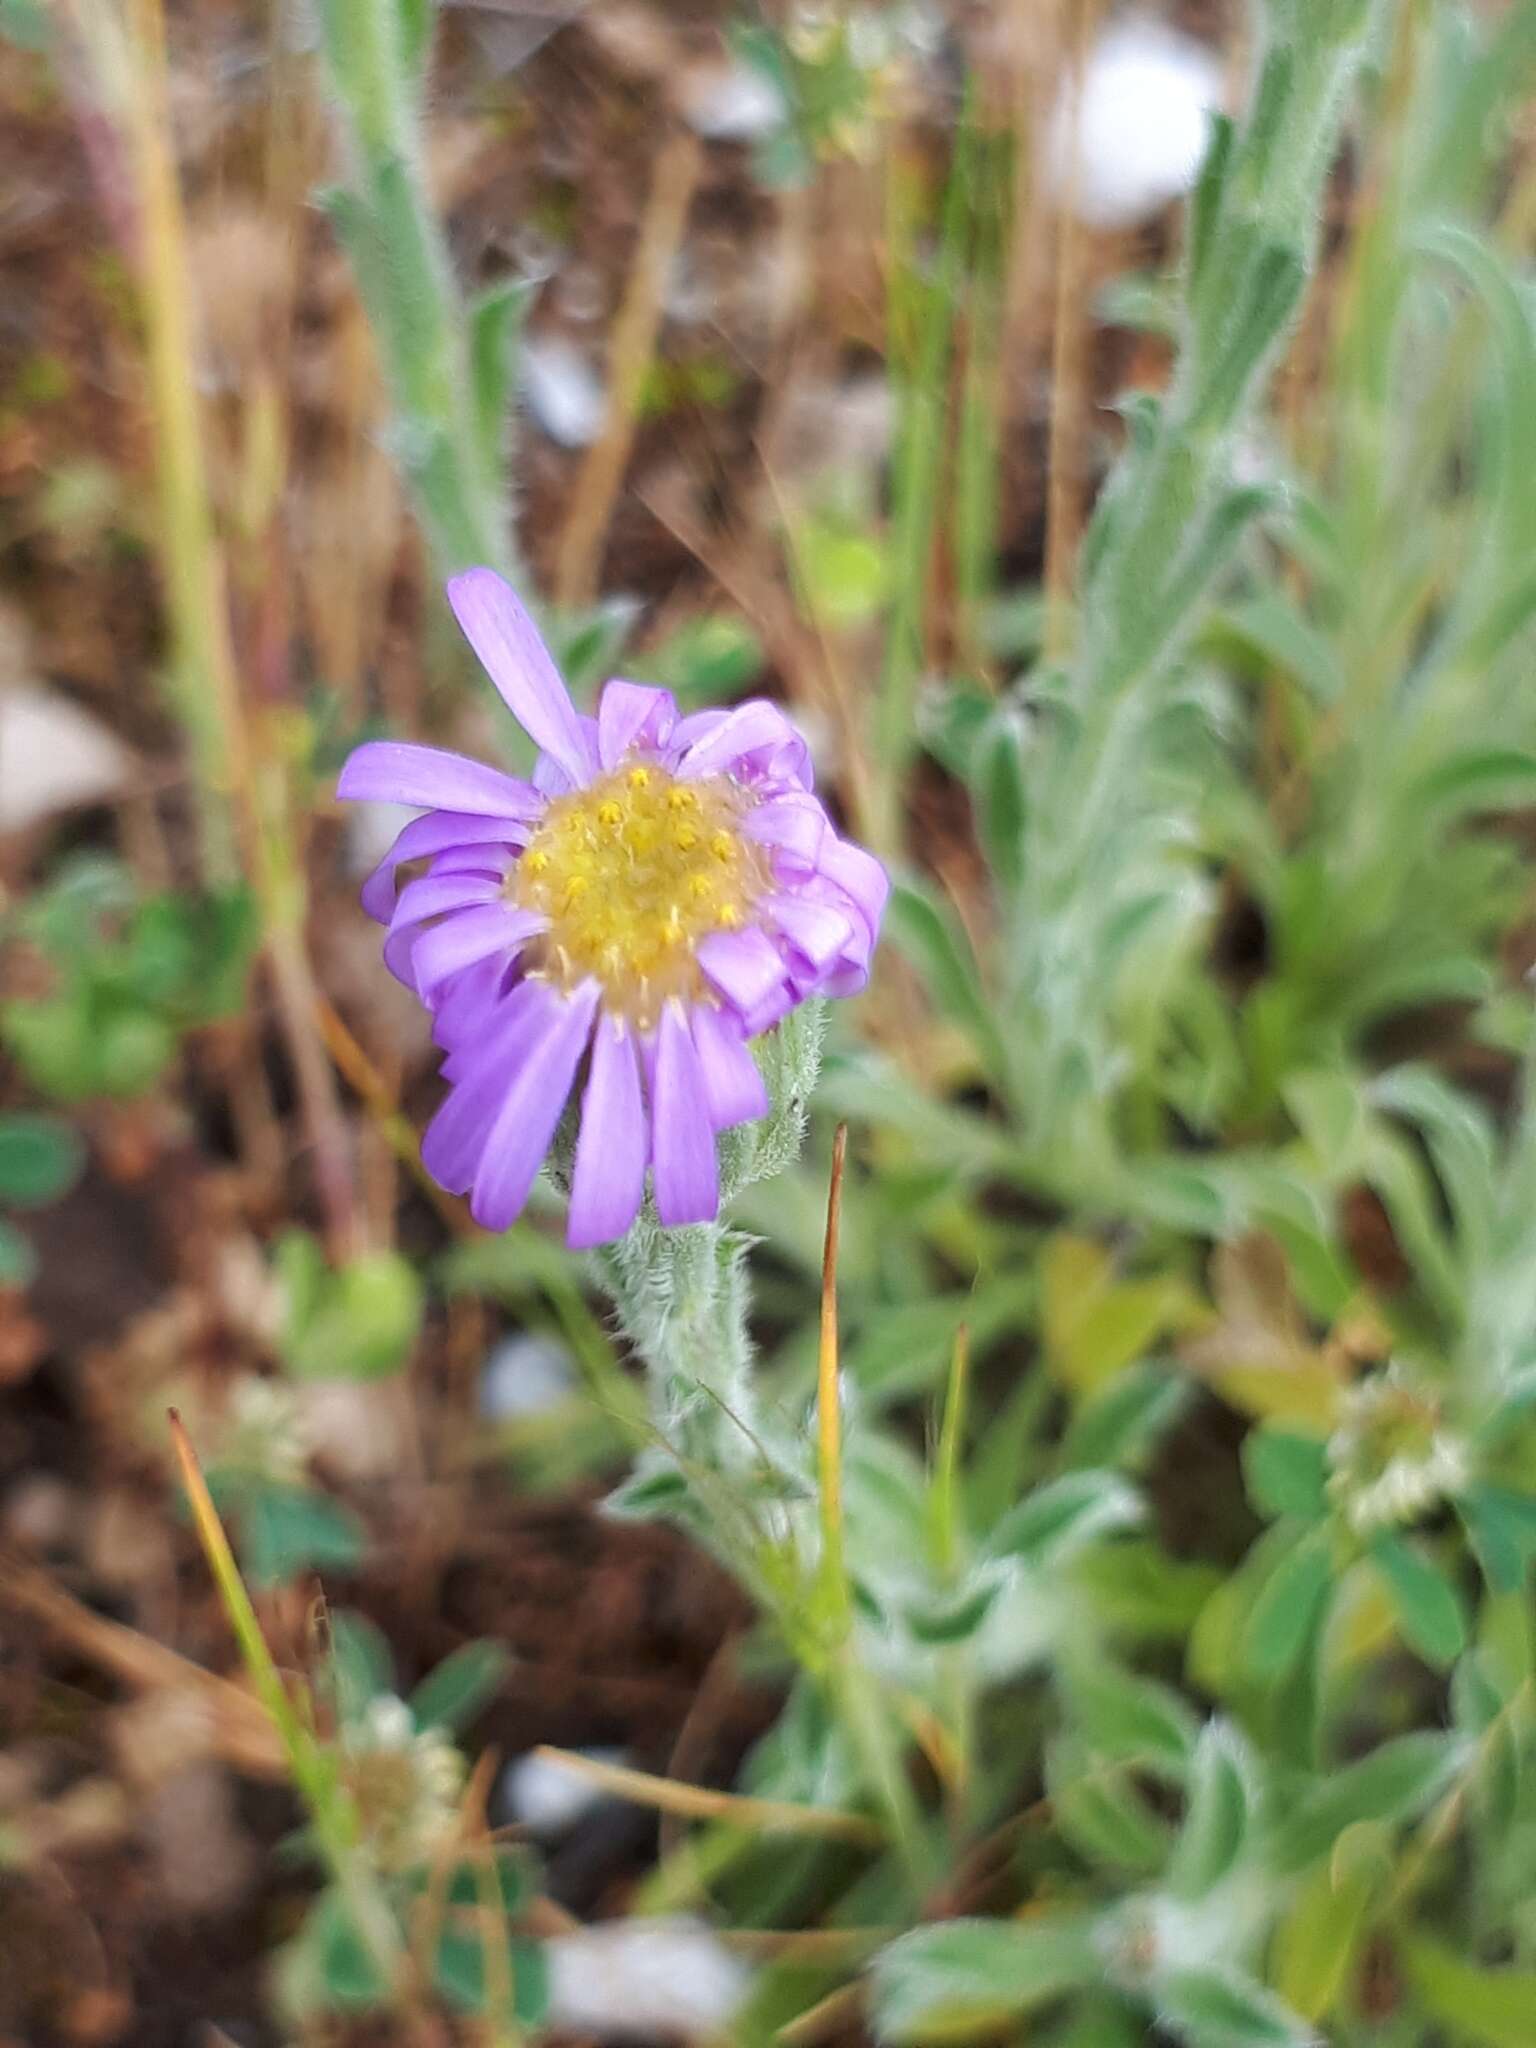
(1168,520)
(448,365)
(331,1811)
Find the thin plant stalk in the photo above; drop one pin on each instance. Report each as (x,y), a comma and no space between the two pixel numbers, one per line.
(1168,521)
(448,361)
(923,357)
(242,800)
(858,1700)
(829,1427)
(127,57)
(1063,477)
(631,353)
(332,1814)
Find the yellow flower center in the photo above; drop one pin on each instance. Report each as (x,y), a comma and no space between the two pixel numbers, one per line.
(632,873)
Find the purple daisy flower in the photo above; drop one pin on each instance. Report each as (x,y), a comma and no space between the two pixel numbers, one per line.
(660,892)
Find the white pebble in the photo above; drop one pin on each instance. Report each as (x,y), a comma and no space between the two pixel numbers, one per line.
(732,103)
(53,757)
(625,1979)
(525,1376)
(1135,137)
(371,830)
(546,1796)
(562,392)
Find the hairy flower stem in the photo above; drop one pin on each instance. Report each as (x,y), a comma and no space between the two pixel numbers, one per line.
(682,1301)
(448,362)
(682,1296)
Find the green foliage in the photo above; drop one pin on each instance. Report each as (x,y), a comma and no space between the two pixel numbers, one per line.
(1217,1567)
(40,1160)
(456,1909)
(289,1529)
(130,974)
(708,660)
(451,363)
(1219,1818)
(967,1977)
(360,1323)
(1363,604)
(451,1696)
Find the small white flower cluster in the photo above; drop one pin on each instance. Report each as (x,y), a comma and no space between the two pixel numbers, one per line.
(875,37)
(1392,1458)
(264,1431)
(406,1781)
(877,51)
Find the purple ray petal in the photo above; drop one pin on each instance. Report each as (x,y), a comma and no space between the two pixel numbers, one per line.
(776,1004)
(495,928)
(437,895)
(745,966)
(795,825)
(397,950)
(858,874)
(466,1006)
(430,835)
(611,1151)
(454,1142)
(633,715)
(748,729)
(690,730)
(514,657)
(395,772)
(496,861)
(815,929)
(860,942)
(683,1140)
(846,979)
(733,1085)
(535,1098)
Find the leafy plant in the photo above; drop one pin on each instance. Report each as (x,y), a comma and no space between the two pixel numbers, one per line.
(131,974)
(358,1323)
(40,1160)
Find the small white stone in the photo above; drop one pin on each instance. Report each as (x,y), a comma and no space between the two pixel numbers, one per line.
(627,1979)
(546,1796)
(732,103)
(53,757)
(1134,138)
(524,1376)
(371,830)
(562,392)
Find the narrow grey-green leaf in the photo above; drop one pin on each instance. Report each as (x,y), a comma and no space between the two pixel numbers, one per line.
(1286,1474)
(1395,1782)
(1065,1514)
(1219,1816)
(1215,2008)
(1428,1606)
(467,1679)
(946,1982)
(1289,1610)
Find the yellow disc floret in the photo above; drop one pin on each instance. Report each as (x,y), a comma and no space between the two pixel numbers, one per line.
(632,873)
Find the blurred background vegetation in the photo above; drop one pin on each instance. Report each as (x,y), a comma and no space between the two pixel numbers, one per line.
(1113,434)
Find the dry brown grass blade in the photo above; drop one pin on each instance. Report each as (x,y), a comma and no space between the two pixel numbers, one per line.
(242,1731)
(634,344)
(701,1802)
